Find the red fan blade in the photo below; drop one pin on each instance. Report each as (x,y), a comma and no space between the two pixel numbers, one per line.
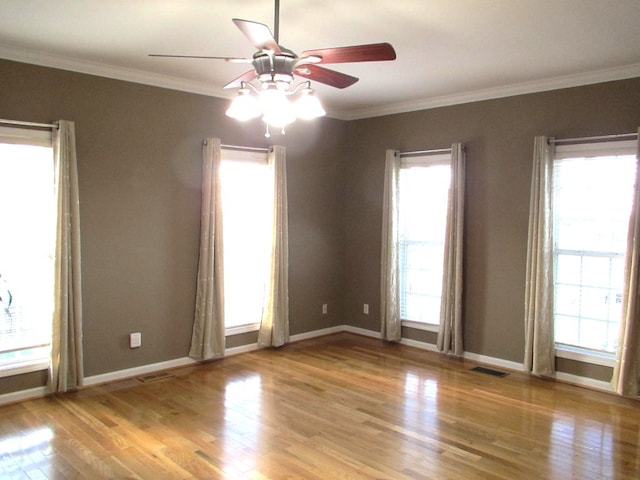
(375,52)
(258,34)
(326,76)
(237,82)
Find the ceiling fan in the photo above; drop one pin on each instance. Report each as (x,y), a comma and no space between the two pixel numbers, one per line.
(275,67)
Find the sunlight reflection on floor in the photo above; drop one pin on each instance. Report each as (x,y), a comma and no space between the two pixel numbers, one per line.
(243,404)
(26,452)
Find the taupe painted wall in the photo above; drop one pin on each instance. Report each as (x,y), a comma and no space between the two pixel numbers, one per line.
(139,155)
(139,160)
(499,143)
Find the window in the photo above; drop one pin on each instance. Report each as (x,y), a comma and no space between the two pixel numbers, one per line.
(27,242)
(247,216)
(422,203)
(592,197)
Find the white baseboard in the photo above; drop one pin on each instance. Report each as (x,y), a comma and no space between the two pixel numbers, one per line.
(494,362)
(584,382)
(137,371)
(317,333)
(180,362)
(38,392)
(561,376)
(360,331)
(430,347)
(251,347)
(293,338)
(518,367)
(23,395)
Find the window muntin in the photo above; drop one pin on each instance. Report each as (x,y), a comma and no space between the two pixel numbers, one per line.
(593,192)
(247,206)
(422,204)
(27,243)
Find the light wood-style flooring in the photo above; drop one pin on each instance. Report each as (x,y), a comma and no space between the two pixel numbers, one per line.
(336,407)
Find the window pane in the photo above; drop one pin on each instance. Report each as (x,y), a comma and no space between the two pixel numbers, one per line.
(593,334)
(594,303)
(592,201)
(567,301)
(566,328)
(568,269)
(26,252)
(423,197)
(247,223)
(592,204)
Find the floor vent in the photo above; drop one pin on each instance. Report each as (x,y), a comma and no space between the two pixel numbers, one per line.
(154,377)
(489,371)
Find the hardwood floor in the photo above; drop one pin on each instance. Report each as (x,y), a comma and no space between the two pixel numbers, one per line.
(341,406)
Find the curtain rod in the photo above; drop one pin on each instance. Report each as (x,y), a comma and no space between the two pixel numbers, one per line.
(27,124)
(424,152)
(242,149)
(569,141)
(245,149)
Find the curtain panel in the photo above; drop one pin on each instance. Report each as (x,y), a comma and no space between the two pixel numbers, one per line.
(626,372)
(66,370)
(208,336)
(274,326)
(391,328)
(539,340)
(450,332)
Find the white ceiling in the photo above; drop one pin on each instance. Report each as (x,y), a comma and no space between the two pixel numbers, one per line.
(449,51)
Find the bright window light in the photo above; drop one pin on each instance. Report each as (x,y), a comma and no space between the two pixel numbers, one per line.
(423,199)
(27,242)
(591,206)
(247,225)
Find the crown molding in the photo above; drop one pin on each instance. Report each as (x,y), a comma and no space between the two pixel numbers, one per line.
(47,59)
(566,81)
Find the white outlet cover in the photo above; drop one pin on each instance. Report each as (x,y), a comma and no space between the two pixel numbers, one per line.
(135,340)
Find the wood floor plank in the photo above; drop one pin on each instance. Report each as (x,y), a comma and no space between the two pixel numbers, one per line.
(341,406)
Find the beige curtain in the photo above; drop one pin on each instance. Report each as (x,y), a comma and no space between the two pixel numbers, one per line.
(450,331)
(66,371)
(538,301)
(390,267)
(626,372)
(208,337)
(274,327)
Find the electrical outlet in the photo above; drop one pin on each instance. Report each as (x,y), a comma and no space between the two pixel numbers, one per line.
(365,309)
(324,308)
(135,340)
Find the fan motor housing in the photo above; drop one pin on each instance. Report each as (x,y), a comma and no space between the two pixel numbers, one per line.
(275,67)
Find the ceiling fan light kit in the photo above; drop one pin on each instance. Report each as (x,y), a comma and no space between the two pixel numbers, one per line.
(275,105)
(244,107)
(278,100)
(308,106)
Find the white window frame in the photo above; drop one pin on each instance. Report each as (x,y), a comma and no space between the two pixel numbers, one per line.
(590,150)
(426,160)
(40,138)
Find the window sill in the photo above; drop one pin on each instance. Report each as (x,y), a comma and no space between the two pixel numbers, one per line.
(429,327)
(24,367)
(252,327)
(585,355)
